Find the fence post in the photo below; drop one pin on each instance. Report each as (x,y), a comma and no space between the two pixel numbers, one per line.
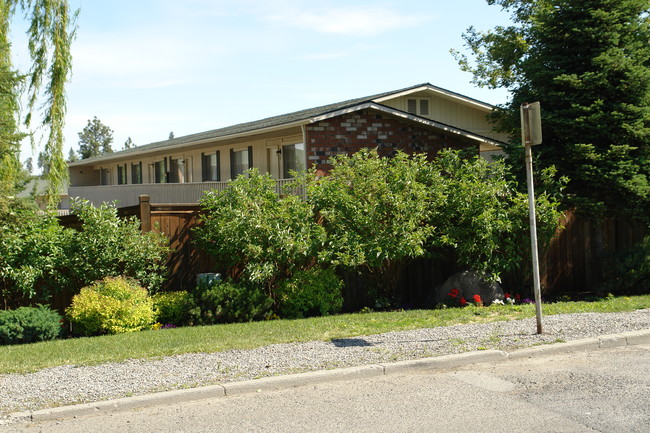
(145,213)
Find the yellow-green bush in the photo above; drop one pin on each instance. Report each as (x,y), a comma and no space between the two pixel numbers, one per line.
(111,306)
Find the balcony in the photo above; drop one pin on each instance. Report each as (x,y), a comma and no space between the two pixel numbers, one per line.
(127,195)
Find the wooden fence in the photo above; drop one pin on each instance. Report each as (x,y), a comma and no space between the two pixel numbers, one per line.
(567,266)
(176,222)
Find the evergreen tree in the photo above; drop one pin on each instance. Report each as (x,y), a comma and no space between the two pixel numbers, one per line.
(128,144)
(95,139)
(72,156)
(587,62)
(43,163)
(29,165)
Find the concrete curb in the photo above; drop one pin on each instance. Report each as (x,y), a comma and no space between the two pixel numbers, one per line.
(301,379)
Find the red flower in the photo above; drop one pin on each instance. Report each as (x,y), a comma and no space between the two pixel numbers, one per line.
(507,295)
(463,302)
(477,299)
(454,293)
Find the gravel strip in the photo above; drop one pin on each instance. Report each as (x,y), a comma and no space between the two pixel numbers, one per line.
(74,384)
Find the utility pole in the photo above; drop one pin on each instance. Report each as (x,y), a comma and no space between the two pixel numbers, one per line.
(531,134)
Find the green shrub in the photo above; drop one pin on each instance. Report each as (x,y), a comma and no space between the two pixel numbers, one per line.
(256,235)
(628,271)
(29,325)
(110,246)
(374,211)
(228,301)
(315,292)
(40,259)
(111,306)
(173,307)
(32,249)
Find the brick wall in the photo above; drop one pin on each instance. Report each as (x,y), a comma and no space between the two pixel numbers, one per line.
(349,133)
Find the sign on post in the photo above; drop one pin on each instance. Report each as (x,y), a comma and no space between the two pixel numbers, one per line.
(531,123)
(531,134)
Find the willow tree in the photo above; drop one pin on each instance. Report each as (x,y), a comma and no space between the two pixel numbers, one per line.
(51,31)
(9,85)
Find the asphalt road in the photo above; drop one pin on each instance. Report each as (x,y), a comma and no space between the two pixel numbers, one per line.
(604,390)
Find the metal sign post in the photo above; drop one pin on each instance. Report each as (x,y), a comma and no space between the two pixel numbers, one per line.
(531,134)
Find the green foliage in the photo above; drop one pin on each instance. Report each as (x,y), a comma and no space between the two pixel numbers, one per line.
(95,139)
(39,258)
(128,144)
(32,249)
(374,210)
(257,235)
(111,306)
(375,215)
(10,136)
(228,301)
(29,325)
(108,245)
(173,307)
(485,218)
(50,36)
(628,272)
(314,292)
(587,62)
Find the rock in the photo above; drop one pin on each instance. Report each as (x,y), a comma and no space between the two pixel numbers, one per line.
(469,283)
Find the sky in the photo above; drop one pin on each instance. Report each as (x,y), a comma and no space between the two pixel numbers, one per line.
(146,68)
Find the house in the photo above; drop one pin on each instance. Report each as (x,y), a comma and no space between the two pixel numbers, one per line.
(36,189)
(421,118)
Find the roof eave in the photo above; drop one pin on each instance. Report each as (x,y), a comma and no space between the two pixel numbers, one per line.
(172,147)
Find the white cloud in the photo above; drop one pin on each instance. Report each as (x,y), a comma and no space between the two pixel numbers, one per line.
(359,20)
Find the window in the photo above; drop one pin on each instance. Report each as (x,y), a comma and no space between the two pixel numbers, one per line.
(160,171)
(136,172)
(211,166)
(418,106)
(240,161)
(293,159)
(105,176)
(175,170)
(121,174)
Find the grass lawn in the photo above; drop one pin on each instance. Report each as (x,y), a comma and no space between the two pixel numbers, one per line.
(166,342)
